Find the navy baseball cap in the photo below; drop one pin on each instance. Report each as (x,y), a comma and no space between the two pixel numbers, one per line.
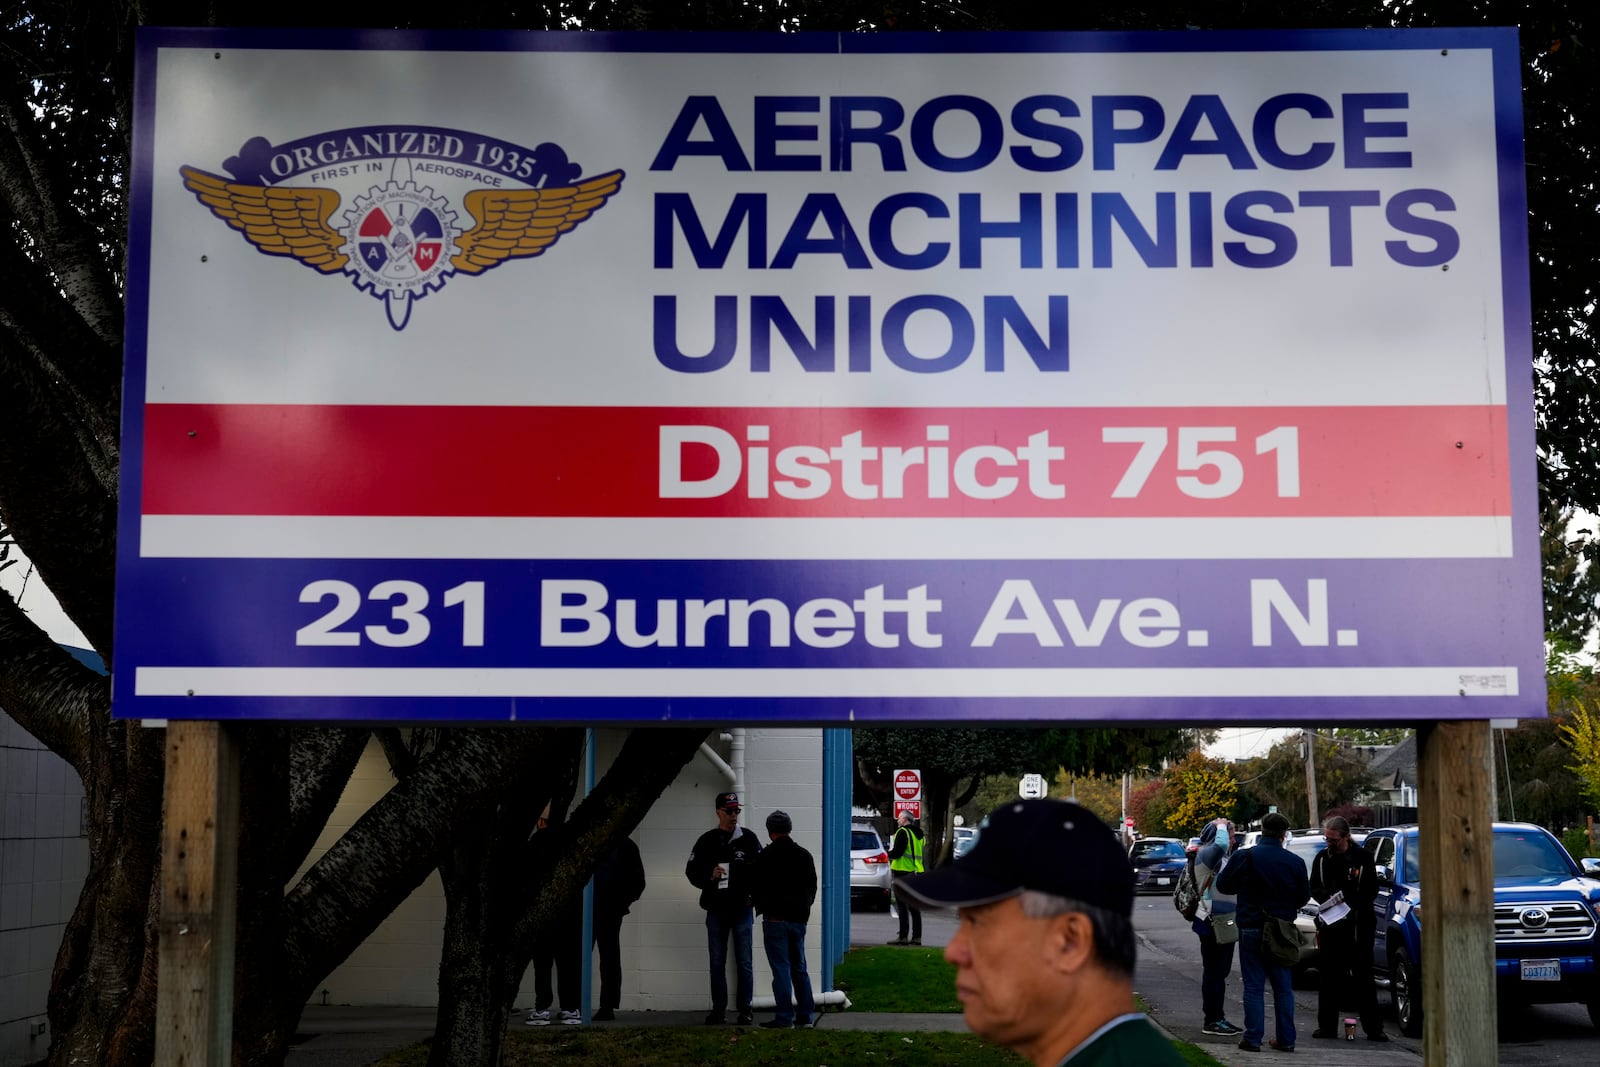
(730,801)
(1052,846)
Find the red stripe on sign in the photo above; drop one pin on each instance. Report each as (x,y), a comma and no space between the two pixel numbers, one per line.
(824,462)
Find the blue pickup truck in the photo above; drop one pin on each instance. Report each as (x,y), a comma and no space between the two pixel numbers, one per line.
(1546,918)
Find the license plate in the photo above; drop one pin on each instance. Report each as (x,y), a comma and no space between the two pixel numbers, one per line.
(1162,881)
(1541,970)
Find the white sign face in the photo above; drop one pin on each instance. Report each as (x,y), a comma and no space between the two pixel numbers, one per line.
(907,785)
(1031,787)
(828,378)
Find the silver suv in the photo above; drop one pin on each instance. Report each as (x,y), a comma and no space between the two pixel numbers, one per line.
(870,879)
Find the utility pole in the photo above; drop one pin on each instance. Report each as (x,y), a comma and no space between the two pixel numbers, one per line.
(1310,738)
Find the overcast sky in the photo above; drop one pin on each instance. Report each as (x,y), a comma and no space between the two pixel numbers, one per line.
(37,601)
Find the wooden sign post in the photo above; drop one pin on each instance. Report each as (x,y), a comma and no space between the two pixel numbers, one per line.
(199,871)
(1455,769)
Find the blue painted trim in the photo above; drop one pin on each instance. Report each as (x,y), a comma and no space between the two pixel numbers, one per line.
(587,995)
(838,770)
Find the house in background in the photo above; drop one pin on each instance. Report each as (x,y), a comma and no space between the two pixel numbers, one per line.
(806,772)
(1394,799)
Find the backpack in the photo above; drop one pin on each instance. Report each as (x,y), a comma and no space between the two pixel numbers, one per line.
(1186,895)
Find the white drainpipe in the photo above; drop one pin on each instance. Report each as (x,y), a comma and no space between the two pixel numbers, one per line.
(718,762)
(736,758)
(830,998)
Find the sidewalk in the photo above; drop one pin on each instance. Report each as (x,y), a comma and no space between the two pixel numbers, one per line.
(1170,985)
(358,1037)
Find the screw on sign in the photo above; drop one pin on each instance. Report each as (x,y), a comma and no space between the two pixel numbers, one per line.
(908,785)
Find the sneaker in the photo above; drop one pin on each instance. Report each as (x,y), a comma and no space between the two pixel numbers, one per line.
(745,1018)
(604,1015)
(571,1018)
(537,1018)
(1230,1030)
(777,1024)
(1220,1028)
(915,941)
(716,1018)
(896,941)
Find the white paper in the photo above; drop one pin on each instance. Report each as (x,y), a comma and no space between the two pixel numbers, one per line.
(1333,909)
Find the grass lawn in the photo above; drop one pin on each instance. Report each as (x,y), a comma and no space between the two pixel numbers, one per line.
(684,1046)
(893,978)
(883,979)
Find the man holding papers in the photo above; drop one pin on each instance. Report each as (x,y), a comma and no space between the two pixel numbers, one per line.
(1344,883)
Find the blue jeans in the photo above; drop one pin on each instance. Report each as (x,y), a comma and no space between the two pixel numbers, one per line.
(786,955)
(1256,970)
(718,926)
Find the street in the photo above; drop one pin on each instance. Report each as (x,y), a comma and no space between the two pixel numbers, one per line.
(1168,978)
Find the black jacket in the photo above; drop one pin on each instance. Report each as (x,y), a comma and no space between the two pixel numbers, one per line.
(1267,879)
(1355,874)
(737,853)
(785,882)
(619,879)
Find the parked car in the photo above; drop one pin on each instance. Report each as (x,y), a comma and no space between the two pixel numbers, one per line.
(1148,850)
(1546,921)
(870,879)
(964,837)
(1157,862)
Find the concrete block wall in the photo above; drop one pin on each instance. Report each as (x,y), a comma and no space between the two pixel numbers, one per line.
(44,857)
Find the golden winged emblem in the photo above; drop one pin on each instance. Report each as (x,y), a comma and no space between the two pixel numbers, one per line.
(400,242)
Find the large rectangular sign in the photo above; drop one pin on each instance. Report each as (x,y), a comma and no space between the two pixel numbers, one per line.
(819,378)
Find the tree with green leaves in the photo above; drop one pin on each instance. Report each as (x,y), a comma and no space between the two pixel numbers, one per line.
(1582,734)
(956,762)
(1200,788)
(1278,779)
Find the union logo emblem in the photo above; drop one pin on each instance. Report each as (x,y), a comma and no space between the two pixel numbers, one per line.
(399,239)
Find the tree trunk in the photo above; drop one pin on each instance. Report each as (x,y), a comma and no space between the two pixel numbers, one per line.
(102,991)
(503,890)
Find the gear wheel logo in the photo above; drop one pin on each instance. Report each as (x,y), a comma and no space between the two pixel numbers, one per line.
(400,239)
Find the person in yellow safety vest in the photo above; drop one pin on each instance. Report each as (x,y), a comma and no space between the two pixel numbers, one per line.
(905,859)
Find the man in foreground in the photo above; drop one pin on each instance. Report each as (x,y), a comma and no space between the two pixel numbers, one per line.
(1044,951)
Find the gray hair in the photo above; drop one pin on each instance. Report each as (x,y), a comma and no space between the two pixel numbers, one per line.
(1115,944)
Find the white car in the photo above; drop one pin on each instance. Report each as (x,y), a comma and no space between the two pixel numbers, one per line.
(870,879)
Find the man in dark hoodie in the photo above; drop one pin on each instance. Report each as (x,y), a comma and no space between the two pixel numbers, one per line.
(720,867)
(785,888)
(618,883)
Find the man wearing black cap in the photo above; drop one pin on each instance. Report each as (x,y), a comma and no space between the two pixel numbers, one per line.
(785,887)
(720,867)
(1045,947)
